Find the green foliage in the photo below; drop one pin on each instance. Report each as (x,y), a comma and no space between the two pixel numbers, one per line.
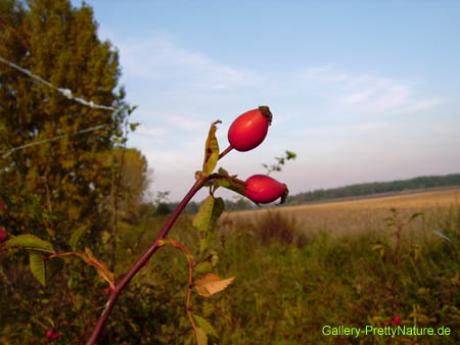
(131,180)
(280,162)
(285,292)
(205,325)
(63,183)
(201,337)
(76,236)
(205,218)
(202,220)
(162,209)
(57,192)
(31,242)
(37,267)
(217,210)
(44,268)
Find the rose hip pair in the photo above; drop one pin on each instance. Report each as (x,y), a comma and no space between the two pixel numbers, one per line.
(247,132)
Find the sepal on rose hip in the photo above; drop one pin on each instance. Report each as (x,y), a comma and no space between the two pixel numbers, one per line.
(250,129)
(263,189)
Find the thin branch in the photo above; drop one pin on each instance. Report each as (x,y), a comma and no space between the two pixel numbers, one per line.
(227,150)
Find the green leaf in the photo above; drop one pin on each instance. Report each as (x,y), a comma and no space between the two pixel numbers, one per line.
(211,151)
(38,267)
(202,219)
(290,155)
(75,237)
(223,172)
(203,267)
(217,210)
(205,325)
(201,337)
(133,126)
(29,241)
(230,182)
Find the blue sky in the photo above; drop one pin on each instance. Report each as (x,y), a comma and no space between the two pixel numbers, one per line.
(361,91)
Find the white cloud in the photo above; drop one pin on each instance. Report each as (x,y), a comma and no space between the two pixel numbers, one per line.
(187,123)
(159,58)
(368,94)
(150,131)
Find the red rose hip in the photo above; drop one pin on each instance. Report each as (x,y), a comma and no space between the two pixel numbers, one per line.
(263,189)
(249,129)
(3,234)
(53,335)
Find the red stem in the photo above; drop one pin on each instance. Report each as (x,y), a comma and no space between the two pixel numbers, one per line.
(142,261)
(227,150)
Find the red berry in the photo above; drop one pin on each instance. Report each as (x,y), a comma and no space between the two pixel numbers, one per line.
(53,335)
(263,189)
(250,129)
(3,234)
(396,320)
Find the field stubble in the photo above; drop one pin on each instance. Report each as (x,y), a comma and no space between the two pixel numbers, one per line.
(358,216)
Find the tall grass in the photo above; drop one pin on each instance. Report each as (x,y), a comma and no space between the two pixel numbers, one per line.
(291,282)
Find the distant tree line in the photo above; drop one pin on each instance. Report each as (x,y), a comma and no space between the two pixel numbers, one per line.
(376,188)
(162,208)
(361,189)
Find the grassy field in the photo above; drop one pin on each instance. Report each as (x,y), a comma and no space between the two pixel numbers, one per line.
(301,268)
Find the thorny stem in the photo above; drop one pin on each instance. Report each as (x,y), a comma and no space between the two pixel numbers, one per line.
(143,260)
